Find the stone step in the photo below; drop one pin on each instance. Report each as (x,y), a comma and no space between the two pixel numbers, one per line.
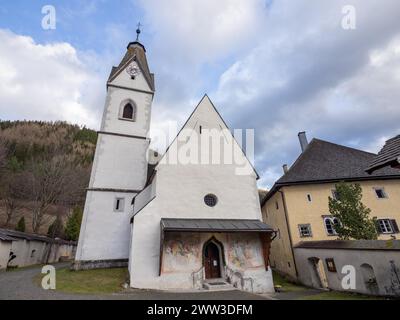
(218,284)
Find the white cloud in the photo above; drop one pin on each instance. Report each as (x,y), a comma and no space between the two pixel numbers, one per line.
(277,66)
(189,41)
(202,31)
(280,67)
(309,74)
(46,82)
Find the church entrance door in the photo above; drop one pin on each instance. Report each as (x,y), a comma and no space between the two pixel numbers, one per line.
(212,264)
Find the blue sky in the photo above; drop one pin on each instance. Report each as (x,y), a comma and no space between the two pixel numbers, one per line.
(81,23)
(278,67)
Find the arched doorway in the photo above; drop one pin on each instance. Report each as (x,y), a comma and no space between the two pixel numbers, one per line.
(318,275)
(212,260)
(369,279)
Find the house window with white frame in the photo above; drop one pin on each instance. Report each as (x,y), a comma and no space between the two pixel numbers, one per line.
(330,223)
(305,230)
(387,226)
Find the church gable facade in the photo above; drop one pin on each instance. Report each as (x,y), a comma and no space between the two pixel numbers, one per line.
(190,218)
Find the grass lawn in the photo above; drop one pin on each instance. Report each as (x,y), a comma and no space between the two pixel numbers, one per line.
(335,295)
(98,281)
(285,285)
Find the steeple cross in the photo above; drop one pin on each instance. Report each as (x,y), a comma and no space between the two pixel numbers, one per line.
(138,31)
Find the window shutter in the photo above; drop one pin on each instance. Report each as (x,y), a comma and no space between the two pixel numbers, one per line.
(395,227)
(378,226)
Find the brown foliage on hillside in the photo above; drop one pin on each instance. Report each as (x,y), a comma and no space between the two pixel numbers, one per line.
(43,167)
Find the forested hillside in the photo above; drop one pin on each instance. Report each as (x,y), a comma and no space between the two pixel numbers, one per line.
(44,170)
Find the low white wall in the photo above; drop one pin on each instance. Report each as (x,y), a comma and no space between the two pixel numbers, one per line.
(385,265)
(5,247)
(33,252)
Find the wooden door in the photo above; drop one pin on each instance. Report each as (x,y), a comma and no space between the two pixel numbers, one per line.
(319,278)
(212,261)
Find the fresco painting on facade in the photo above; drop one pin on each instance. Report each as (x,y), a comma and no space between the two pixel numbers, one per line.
(181,252)
(244,251)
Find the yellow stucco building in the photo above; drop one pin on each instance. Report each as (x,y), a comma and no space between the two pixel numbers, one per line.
(297,204)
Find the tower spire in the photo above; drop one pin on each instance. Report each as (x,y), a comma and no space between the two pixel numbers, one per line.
(138,31)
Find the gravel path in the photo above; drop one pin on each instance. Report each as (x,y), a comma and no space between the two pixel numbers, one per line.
(19,284)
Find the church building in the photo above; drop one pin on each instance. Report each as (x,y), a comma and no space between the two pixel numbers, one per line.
(177,220)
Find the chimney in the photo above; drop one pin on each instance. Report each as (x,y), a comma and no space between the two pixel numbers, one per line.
(285,168)
(303,141)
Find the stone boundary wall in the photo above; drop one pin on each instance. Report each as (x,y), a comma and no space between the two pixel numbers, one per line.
(376,264)
(20,249)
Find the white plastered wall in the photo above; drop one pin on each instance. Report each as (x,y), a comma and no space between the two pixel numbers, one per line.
(111,117)
(119,164)
(180,193)
(106,232)
(5,247)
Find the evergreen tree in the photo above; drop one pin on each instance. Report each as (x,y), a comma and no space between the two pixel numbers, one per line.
(74,224)
(21,225)
(353,215)
(56,228)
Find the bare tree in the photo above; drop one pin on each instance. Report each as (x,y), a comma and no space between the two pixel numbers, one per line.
(10,203)
(53,162)
(55,181)
(3,155)
(7,187)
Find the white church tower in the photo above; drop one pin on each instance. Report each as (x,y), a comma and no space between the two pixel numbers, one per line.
(120,164)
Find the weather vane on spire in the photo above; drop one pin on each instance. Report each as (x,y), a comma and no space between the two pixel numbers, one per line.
(138,31)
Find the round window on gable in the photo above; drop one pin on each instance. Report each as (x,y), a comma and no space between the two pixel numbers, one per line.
(210,200)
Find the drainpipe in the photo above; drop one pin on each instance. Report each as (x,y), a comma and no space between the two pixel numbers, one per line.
(289,232)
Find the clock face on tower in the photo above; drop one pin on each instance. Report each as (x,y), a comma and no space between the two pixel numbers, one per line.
(133,70)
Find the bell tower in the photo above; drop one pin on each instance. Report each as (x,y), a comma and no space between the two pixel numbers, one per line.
(119,169)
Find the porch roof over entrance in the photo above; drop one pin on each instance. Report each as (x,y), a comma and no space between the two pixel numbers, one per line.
(214,225)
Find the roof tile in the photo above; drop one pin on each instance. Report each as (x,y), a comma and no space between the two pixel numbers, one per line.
(221,225)
(324,160)
(389,154)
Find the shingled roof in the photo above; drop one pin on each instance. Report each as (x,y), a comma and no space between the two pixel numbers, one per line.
(11,235)
(324,161)
(351,244)
(214,225)
(388,156)
(137,52)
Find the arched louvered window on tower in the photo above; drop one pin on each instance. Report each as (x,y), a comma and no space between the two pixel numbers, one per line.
(128,111)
